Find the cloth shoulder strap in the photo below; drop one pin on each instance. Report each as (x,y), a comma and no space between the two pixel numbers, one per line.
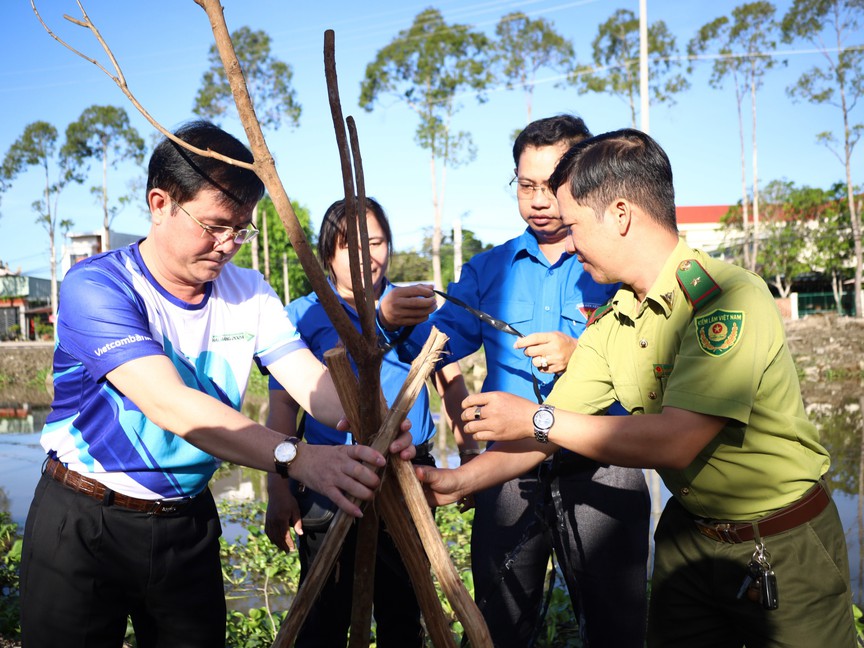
(605,309)
(696,283)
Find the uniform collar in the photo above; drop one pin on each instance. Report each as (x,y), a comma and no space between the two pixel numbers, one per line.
(663,294)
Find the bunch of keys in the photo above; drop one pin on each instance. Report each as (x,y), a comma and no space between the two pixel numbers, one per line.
(760,583)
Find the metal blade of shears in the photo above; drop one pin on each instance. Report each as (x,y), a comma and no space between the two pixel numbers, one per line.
(497,324)
(483,317)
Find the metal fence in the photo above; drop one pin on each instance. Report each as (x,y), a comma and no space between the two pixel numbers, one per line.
(824,302)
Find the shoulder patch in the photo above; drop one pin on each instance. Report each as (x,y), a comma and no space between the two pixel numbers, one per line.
(605,309)
(719,331)
(696,283)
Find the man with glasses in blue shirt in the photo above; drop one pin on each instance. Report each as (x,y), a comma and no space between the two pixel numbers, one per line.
(155,344)
(594,516)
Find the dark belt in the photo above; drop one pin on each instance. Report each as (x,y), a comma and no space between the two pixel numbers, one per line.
(92,488)
(805,509)
(423,449)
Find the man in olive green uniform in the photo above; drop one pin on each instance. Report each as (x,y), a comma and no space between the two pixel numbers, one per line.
(750,549)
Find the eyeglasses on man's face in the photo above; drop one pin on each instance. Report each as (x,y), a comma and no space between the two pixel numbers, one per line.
(223,233)
(525,190)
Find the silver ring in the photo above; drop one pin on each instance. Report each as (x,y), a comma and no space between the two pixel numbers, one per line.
(477,413)
(544,364)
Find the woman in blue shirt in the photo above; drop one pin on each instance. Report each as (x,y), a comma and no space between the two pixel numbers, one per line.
(396,610)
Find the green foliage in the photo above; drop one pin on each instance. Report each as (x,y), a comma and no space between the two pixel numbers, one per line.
(10,560)
(103,133)
(841,77)
(615,58)
(804,229)
(741,43)
(255,569)
(37,147)
(279,244)
(44,331)
(524,47)
(829,26)
(787,217)
(425,67)
(13,332)
(417,266)
(267,78)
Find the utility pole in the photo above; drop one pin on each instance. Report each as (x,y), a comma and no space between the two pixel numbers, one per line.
(643,66)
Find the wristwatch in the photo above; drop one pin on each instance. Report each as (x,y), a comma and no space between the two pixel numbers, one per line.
(544,419)
(284,454)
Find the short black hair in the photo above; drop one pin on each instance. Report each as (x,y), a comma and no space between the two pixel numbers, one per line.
(183,174)
(334,229)
(549,131)
(625,163)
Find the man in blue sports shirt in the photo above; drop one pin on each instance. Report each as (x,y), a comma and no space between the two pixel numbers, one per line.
(594,516)
(155,344)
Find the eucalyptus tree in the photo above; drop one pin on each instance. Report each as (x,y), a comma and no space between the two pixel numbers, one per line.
(103,133)
(523,48)
(37,147)
(274,98)
(427,67)
(829,25)
(615,62)
(741,48)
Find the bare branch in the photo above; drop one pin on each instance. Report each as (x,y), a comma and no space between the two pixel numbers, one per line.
(120,80)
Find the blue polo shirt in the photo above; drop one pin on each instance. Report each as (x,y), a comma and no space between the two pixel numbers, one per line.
(513,282)
(113,311)
(308,315)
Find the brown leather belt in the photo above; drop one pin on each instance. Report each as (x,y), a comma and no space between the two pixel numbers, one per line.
(92,488)
(811,504)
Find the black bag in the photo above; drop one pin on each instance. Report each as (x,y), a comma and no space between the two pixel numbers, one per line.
(316,510)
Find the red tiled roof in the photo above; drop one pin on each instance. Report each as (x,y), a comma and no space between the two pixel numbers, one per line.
(700,214)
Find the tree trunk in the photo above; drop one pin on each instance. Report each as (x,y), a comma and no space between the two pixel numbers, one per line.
(265,235)
(106,221)
(745,198)
(254,242)
(457,248)
(436,229)
(755,256)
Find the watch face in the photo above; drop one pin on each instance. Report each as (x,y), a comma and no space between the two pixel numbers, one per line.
(543,419)
(285,452)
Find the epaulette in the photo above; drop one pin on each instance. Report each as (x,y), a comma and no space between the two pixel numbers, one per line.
(696,283)
(605,309)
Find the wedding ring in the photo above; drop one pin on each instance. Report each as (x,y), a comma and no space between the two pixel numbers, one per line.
(544,364)
(477,413)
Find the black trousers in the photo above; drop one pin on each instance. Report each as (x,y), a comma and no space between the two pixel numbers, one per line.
(86,567)
(396,611)
(395,607)
(601,543)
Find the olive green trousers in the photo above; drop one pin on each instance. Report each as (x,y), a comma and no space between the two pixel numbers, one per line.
(696,581)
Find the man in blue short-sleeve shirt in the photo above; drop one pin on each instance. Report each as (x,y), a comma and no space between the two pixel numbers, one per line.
(592,515)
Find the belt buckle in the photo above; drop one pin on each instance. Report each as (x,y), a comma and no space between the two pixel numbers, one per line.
(719,532)
(169,506)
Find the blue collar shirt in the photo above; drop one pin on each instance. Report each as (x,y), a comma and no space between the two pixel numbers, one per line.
(308,315)
(516,283)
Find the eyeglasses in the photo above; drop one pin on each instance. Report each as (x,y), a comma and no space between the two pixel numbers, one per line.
(525,190)
(223,233)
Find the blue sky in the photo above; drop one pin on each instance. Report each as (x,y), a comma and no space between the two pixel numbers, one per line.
(162,47)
